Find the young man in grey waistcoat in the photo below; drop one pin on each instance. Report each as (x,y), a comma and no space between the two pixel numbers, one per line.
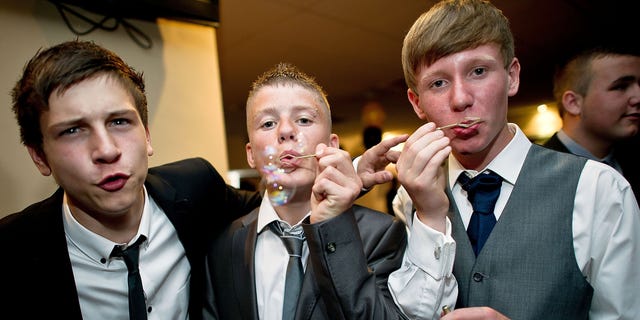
(559,239)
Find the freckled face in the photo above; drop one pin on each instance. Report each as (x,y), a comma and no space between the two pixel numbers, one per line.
(96,148)
(470,83)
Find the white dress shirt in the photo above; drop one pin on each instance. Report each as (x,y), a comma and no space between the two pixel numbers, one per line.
(102,282)
(606,234)
(271,258)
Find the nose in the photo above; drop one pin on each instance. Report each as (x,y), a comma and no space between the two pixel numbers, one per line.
(634,98)
(286,132)
(461,98)
(105,149)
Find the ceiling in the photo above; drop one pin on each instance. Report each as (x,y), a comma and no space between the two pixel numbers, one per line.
(353,49)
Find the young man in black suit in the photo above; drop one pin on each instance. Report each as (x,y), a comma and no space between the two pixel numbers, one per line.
(82,113)
(598,94)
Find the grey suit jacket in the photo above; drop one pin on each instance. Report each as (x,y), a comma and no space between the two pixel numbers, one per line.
(36,268)
(350,259)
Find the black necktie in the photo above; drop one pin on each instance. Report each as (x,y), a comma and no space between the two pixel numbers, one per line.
(293,241)
(131,255)
(482,191)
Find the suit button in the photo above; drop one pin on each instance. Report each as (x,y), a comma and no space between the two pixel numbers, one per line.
(331,247)
(477,277)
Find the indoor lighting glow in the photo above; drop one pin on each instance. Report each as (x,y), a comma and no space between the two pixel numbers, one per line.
(544,123)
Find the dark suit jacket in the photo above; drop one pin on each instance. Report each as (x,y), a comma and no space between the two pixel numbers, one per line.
(625,152)
(37,279)
(350,259)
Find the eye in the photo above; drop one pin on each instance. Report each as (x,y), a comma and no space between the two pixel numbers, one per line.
(305,121)
(69,131)
(438,84)
(479,71)
(120,121)
(268,124)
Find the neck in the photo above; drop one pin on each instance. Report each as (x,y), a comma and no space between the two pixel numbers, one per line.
(294,211)
(117,227)
(597,146)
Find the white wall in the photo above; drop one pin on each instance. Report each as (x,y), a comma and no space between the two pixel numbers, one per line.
(183,89)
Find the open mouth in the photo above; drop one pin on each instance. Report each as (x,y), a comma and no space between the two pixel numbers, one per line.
(287,157)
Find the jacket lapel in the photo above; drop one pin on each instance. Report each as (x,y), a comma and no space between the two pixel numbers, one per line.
(53,255)
(242,256)
(309,295)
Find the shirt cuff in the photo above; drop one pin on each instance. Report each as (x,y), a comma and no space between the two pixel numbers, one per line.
(431,250)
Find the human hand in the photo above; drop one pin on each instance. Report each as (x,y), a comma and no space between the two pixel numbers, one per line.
(421,173)
(336,186)
(372,164)
(474,313)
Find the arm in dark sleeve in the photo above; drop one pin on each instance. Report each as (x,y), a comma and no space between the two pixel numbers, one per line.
(352,256)
(233,201)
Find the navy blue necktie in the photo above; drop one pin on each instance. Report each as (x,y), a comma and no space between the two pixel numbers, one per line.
(292,240)
(482,191)
(131,255)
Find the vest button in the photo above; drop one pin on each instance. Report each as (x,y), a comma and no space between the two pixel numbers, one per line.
(477,277)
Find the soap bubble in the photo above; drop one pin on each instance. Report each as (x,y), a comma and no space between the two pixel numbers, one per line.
(301,143)
(278,192)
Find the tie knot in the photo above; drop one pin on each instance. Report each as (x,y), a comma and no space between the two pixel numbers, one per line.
(130,254)
(292,237)
(482,190)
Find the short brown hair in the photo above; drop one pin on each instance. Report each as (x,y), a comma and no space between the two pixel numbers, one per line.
(577,73)
(287,74)
(57,69)
(452,26)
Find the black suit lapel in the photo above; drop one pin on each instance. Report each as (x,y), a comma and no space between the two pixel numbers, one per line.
(242,257)
(554,143)
(54,255)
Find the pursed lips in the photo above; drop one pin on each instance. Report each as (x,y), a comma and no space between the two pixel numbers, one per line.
(113,182)
(287,158)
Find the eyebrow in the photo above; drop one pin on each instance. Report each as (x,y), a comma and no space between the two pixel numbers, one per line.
(623,80)
(113,114)
(297,108)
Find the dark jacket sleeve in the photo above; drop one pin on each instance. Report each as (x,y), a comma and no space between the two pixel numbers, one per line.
(352,256)
(200,205)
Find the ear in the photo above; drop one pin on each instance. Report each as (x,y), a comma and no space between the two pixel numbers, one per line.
(414,98)
(250,159)
(334,140)
(149,147)
(40,160)
(514,77)
(572,103)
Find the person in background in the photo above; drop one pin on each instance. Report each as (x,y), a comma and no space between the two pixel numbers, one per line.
(82,113)
(598,96)
(539,234)
(347,251)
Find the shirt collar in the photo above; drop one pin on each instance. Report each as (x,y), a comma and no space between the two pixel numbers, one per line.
(579,150)
(507,163)
(96,246)
(268,214)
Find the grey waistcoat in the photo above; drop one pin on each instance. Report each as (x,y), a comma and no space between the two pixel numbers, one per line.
(527,269)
